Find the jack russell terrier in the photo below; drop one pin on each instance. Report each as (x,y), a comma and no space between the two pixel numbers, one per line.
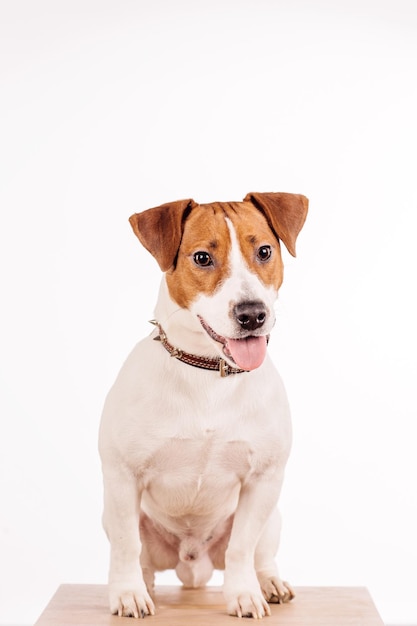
(196,430)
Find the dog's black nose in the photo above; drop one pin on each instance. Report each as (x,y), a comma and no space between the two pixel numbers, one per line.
(250,315)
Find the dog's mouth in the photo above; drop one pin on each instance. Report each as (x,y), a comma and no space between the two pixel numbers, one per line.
(248,353)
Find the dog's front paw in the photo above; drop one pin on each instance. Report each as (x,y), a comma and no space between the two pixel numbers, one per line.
(248,604)
(275,590)
(129,602)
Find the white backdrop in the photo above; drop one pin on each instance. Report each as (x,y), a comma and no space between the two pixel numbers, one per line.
(110,107)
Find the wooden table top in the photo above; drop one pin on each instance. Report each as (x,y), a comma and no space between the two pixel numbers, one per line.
(86,605)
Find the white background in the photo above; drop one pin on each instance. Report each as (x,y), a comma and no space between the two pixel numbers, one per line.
(108,108)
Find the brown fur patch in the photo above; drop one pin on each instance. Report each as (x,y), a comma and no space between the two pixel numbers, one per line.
(253,232)
(204,230)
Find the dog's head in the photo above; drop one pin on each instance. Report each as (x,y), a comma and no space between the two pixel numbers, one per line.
(223,264)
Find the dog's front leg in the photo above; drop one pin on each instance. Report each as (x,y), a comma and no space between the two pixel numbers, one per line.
(274,589)
(242,591)
(127,590)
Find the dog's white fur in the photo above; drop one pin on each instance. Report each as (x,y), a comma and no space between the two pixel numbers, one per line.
(193,463)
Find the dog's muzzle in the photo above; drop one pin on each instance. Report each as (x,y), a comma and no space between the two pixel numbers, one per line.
(248,348)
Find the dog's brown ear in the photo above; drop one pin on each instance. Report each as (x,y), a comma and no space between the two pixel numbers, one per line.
(160,230)
(285,213)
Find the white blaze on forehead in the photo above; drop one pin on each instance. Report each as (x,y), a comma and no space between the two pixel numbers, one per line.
(241,285)
(248,287)
(248,281)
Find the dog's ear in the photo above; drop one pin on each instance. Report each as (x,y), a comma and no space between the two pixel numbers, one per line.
(285,213)
(160,230)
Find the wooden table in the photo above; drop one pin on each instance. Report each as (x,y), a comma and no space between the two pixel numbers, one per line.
(86,605)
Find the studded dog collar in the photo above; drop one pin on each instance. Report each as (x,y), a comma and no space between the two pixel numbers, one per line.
(206,363)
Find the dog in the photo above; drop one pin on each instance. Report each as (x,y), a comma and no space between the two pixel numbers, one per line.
(196,431)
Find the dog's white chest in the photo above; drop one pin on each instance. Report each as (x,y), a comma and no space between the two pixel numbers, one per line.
(194,475)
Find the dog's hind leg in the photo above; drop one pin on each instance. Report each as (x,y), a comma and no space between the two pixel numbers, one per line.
(149,578)
(157,553)
(273,588)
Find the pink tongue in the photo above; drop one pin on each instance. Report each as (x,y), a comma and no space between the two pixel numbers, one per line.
(248,354)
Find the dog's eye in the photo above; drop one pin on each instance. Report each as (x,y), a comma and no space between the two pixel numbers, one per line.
(203,259)
(264,253)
